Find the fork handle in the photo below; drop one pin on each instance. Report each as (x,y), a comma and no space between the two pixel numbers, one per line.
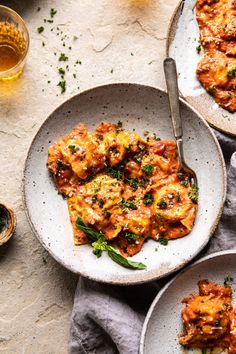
(173,95)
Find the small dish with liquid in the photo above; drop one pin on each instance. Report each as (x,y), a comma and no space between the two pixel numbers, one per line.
(14,44)
(7,223)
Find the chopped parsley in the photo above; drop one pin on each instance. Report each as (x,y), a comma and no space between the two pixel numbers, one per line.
(101,202)
(62,85)
(180,175)
(61,71)
(40,29)
(130,236)
(126,204)
(141,147)
(63,57)
(115,173)
(148,199)
(162,204)
(199,48)
(73,148)
(133,182)
(148,169)
(106,213)
(138,158)
(60,165)
(53,12)
(211,89)
(231,72)
(193,195)
(94,198)
(163,241)
(184,183)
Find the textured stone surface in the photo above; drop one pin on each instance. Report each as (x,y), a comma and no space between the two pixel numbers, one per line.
(117,41)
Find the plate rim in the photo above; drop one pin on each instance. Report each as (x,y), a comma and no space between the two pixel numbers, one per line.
(162,291)
(148,277)
(169,38)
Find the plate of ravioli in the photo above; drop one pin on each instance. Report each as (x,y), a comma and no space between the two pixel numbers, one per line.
(104,190)
(195,312)
(202,40)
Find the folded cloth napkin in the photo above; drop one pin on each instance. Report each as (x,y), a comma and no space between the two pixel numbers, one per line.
(108,319)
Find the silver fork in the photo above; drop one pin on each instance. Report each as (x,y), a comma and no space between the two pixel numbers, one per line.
(173,95)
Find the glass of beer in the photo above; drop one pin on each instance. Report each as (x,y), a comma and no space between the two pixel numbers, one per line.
(14,44)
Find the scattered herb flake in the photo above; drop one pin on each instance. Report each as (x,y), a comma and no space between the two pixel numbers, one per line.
(61,71)
(53,12)
(62,85)
(163,241)
(63,57)
(40,29)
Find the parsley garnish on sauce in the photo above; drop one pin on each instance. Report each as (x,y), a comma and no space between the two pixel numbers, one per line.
(73,148)
(148,199)
(231,72)
(148,169)
(133,182)
(193,195)
(163,241)
(138,158)
(162,204)
(60,165)
(129,205)
(130,236)
(115,173)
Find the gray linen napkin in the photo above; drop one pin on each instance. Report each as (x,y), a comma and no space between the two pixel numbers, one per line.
(108,319)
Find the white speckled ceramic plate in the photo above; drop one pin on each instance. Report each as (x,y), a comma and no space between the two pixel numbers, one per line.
(163,322)
(140,108)
(182,41)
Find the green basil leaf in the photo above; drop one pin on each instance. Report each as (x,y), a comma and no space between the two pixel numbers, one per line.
(92,234)
(124,262)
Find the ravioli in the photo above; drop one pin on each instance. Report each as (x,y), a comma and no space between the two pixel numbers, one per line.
(209,318)
(123,185)
(217,69)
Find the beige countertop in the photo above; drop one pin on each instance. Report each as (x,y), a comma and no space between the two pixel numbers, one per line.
(112,41)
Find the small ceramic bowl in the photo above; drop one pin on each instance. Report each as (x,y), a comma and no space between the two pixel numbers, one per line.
(7,223)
